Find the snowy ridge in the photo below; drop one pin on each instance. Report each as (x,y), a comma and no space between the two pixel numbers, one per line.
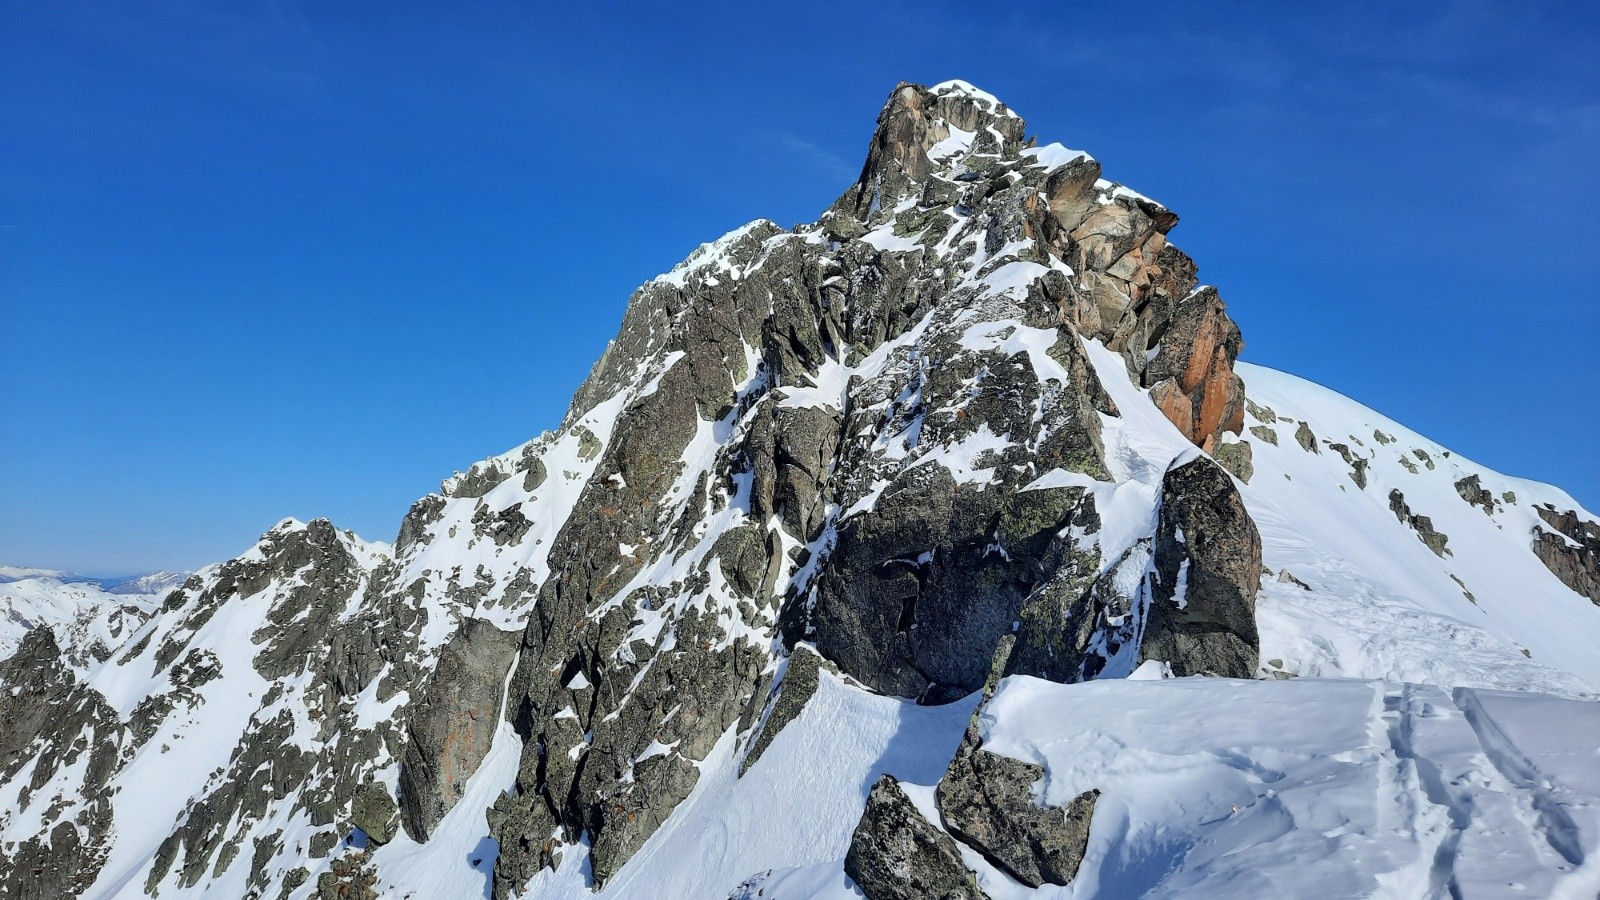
(1303,788)
(1380,603)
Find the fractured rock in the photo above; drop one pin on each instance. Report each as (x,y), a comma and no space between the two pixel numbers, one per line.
(1572,554)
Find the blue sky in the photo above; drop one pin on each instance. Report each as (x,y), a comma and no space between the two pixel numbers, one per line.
(262,260)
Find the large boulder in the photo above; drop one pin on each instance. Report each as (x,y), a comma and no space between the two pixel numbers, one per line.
(1208,566)
(896,854)
(987,801)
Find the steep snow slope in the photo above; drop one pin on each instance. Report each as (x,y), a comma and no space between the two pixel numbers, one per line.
(1377,602)
(795,806)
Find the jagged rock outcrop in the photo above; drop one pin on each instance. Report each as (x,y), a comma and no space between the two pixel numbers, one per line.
(55,726)
(1570,549)
(1130,287)
(877,391)
(896,854)
(1437,541)
(1207,568)
(1472,491)
(987,802)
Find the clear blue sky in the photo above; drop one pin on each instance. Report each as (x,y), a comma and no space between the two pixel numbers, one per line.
(262,260)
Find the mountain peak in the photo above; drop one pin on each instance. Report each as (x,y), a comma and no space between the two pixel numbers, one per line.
(919,131)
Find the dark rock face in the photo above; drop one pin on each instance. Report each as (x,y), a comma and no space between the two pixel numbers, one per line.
(915,594)
(451,728)
(1207,567)
(799,684)
(1573,555)
(1077,622)
(895,854)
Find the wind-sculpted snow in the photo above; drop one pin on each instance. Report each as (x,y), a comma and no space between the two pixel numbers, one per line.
(1302,788)
(1312,788)
(973,406)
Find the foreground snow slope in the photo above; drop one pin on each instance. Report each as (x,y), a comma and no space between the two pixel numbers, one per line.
(1315,788)
(1304,788)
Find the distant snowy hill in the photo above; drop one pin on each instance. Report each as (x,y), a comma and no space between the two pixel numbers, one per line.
(941,547)
(84,611)
(153,583)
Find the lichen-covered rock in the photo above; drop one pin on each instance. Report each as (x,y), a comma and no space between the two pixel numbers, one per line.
(1236,457)
(1208,567)
(799,683)
(1571,550)
(1307,439)
(374,812)
(1357,463)
(1472,491)
(896,854)
(348,877)
(1264,433)
(987,802)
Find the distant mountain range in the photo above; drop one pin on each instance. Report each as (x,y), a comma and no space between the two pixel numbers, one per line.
(30,598)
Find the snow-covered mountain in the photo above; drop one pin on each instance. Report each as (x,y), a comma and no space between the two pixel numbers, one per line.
(938,548)
(90,614)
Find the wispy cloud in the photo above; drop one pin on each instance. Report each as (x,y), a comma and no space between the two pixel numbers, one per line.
(819,158)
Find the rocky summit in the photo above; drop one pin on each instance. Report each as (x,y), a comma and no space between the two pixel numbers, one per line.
(940,547)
